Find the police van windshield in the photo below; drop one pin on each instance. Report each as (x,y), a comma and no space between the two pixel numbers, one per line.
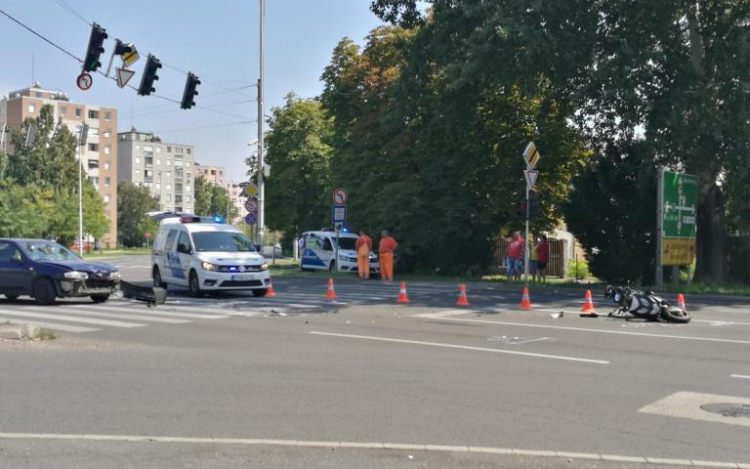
(222,241)
(347,243)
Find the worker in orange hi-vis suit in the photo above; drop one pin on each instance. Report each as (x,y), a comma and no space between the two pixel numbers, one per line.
(385,253)
(363,246)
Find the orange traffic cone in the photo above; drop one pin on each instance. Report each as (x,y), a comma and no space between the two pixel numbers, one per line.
(331,293)
(270,293)
(525,302)
(681,302)
(462,300)
(587,311)
(402,298)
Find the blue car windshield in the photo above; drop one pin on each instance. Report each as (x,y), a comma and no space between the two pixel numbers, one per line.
(48,251)
(222,241)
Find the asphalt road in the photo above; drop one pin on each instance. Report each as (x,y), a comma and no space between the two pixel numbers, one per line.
(300,381)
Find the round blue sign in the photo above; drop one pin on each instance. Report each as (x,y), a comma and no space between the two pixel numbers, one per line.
(251,219)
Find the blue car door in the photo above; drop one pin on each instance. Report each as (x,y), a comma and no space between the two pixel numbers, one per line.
(15,269)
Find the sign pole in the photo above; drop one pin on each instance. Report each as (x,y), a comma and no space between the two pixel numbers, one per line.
(659,279)
(80,192)
(526,242)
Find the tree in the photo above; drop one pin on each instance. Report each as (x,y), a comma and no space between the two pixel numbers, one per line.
(211,199)
(45,174)
(671,74)
(439,163)
(133,202)
(299,151)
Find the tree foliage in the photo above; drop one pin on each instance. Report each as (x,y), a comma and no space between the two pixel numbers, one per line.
(39,192)
(211,199)
(299,187)
(671,76)
(133,202)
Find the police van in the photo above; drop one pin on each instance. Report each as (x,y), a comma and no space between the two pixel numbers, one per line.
(318,252)
(204,255)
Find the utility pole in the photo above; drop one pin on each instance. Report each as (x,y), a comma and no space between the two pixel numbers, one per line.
(261,145)
(526,242)
(81,141)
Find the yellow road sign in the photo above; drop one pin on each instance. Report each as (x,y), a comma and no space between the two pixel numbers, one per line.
(531,155)
(129,58)
(251,190)
(677,251)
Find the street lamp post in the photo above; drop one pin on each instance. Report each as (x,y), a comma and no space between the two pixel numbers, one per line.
(261,146)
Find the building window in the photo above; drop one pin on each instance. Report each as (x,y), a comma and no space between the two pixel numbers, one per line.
(213,172)
(93,164)
(107,133)
(178,187)
(189,151)
(158,162)
(94,180)
(93,114)
(188,176)
(150,149)
(158,175)
(107,116)
(63,111)
(32,107)
(106,165)
(137,160)
(188,188)
(187,163)
(168,174)
(158,187)
(178,163)
(169,162)
(169,187)
(107,181)
(178,150)
(169,149)
(93,147)
(149,175)
(78,112)
(94,131)
(149,161)
(106,198)
(158,149)
(169,196)
(137,148)
(38,94)
(107,149)
(187,198)
(138,173)
(178,173)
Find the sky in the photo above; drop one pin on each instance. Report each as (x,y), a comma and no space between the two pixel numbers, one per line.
(217,40)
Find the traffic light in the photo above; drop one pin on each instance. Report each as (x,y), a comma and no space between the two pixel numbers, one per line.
(95,49)
(533,205)
(149,76)
(190,91)
(521,210)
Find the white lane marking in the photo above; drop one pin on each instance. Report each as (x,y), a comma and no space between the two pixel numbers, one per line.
(718,322)
(462,347)
(600,331)
(688,405)
(168,311)
(740,376)
(66,318)
(56,326)
(90,311)
(382,446)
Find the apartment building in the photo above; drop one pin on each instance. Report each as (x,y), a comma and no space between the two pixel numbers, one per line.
(99,156)
(167,169)
(212,174)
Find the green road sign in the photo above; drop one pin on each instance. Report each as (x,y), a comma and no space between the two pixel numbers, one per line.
(680,198)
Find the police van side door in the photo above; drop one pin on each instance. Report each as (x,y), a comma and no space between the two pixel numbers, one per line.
(168,256)
(184,252)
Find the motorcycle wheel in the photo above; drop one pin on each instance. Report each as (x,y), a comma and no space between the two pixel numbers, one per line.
(676,315)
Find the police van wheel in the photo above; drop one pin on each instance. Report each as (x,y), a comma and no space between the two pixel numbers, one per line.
(260,292)
(195,287)
(157,278)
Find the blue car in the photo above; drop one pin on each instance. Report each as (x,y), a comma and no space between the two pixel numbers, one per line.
(46,271)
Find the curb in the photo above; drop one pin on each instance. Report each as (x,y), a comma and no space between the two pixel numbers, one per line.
(374,446)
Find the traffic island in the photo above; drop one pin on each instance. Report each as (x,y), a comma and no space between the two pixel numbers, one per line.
(25,332)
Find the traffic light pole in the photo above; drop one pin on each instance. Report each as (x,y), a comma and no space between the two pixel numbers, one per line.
(526,242)
(80,192)
(261,145)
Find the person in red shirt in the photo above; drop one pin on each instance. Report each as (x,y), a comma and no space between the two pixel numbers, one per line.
(363,246)
(515,256)
(385,254)
(542,257)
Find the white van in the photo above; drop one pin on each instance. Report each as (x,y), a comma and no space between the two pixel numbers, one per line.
(203,255)
(318,250)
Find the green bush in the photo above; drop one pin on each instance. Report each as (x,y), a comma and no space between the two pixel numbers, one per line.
(578,268)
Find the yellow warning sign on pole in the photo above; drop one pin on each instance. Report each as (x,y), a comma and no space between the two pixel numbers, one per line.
(531,155)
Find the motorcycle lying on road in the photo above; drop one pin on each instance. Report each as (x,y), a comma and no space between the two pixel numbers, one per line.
(644,305)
